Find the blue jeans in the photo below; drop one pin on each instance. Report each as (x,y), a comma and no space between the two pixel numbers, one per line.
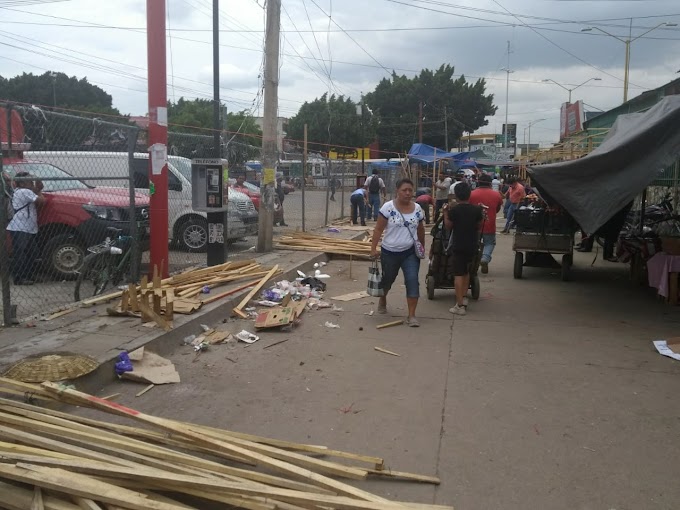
(489,241)
(408,262)
(511,214)
(359,206)
(24,252)
(506,206)
(373,205)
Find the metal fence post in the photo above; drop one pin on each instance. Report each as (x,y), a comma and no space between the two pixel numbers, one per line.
(4,255)
(328,188)
(342,190)
(135,253)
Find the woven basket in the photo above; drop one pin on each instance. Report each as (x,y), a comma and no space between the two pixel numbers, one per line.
(56,366)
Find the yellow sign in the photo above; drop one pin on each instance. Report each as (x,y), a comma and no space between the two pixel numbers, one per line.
(268,176)
(353,154)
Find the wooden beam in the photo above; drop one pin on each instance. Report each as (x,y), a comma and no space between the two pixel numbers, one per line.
(20,498)
(238,309)
(389,324)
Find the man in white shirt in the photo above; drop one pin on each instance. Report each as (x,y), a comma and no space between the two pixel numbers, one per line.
(460,175)
(23,228)
(441,194)
(495,184)
(375,187)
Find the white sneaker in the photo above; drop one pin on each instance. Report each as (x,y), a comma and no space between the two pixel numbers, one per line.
(458,310)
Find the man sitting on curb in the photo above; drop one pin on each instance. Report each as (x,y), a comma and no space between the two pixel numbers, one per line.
(464,220)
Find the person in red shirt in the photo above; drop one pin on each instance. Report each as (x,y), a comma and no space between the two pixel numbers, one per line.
(492,200)
(516,194)
(425,201)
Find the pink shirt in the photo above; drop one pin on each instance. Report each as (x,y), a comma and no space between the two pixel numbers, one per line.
(517,193)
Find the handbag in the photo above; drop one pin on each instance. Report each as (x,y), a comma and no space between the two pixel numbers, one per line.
(374,286)
(420,249)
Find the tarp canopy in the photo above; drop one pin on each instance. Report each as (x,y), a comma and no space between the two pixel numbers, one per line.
(637,148)
(386,165)
(423,153)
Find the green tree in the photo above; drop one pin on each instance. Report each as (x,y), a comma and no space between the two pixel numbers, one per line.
(395,103)
(345,125)
(191,124)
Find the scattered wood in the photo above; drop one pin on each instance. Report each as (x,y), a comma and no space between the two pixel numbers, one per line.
(352,296)
(112,396)
(83,463)
(139,394)
(385,351)
(389,324)
(310,242)
(238,310)
(56,315)
(275,343)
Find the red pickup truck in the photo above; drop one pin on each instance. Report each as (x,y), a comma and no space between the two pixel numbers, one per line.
(75,214)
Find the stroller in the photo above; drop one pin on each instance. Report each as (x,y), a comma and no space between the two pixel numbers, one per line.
(440,273)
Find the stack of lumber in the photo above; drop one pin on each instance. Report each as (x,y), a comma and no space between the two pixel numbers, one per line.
(310,242)
(184,292)
(56,460)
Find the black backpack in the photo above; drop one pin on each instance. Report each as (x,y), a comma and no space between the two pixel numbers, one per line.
(374,185)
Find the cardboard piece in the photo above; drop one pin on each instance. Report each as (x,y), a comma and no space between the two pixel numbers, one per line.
(280,315)
(352,296)
(153,369)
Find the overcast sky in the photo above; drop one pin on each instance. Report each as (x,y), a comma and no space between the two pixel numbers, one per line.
(106,42)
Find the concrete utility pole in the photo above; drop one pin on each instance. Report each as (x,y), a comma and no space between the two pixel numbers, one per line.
(217,251)
(269,135)
(158,134)
(446,131)
(420,122)
(507,98)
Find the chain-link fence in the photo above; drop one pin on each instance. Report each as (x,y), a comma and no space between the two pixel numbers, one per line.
(67,186)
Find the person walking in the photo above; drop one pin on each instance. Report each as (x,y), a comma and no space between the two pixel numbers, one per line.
(495,183)
(281,195)
(460,177)
(358,202)
(485,196)
(401,220)
(425,201)
(23,228)
(441,194)
(516,194)
(375,187)
(464,221)
(333,184)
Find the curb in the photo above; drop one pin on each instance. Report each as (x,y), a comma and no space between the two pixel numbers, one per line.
(163,343)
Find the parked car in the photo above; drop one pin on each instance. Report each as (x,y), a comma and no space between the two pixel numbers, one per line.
(188,229)
(76,215)
(253,193)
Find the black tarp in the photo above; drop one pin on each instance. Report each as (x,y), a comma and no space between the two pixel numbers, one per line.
(637,148)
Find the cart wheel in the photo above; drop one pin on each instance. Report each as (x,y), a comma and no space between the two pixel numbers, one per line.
(567,261)
(474,287)
(519,262)
(429,281)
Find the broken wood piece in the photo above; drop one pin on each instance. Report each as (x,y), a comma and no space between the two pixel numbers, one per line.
(56,315)
(37,503)
(275,343)
(125,301)
(139,394)
(238,309)
(151,315)
(389,324)
(229,292)
(112,396)
(351,297)
(132,291)
(400,475)
(380,349)
(22,497)
(169,304)
(86,503)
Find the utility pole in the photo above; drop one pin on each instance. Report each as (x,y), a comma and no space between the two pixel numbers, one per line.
(269,135)
(158,134)
(420,122)
(304,175)
(507,98)
(446,131)
(363,139)
(217,250)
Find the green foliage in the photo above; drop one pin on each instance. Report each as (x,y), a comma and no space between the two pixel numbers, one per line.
(345,125)
(392,113)
(64,91)
(191,132)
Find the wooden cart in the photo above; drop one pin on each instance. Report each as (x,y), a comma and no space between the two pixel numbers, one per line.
(534,245)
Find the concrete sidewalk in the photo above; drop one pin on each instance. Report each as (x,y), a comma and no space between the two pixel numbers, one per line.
(547,395)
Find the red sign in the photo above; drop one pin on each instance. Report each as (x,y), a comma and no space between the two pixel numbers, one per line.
(572,117)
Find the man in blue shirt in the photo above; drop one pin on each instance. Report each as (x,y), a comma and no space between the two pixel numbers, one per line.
(358,202)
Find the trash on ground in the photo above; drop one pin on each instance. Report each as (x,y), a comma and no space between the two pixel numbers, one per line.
(351,297)
(385,351)
(247,337)
(281,315)
(670,348)
(317,304)
(370,314)
(264,302)
(152,369)
(333,230)
(337,309)
(123,364)
(331,325)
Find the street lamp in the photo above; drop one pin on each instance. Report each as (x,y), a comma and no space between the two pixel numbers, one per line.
(627,43)
(528,147)
(573,88)
(54,88)
(360,112)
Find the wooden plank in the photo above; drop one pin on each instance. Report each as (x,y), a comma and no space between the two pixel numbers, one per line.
(351,296)
(254,291)
(37,503)
(20,498)
(169,304)
(86,503)
(56,315)
(380,349)
(145,390)
(132,291)
(222,446)
(401,475)
(151,314)
(83,486)
(389,324)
